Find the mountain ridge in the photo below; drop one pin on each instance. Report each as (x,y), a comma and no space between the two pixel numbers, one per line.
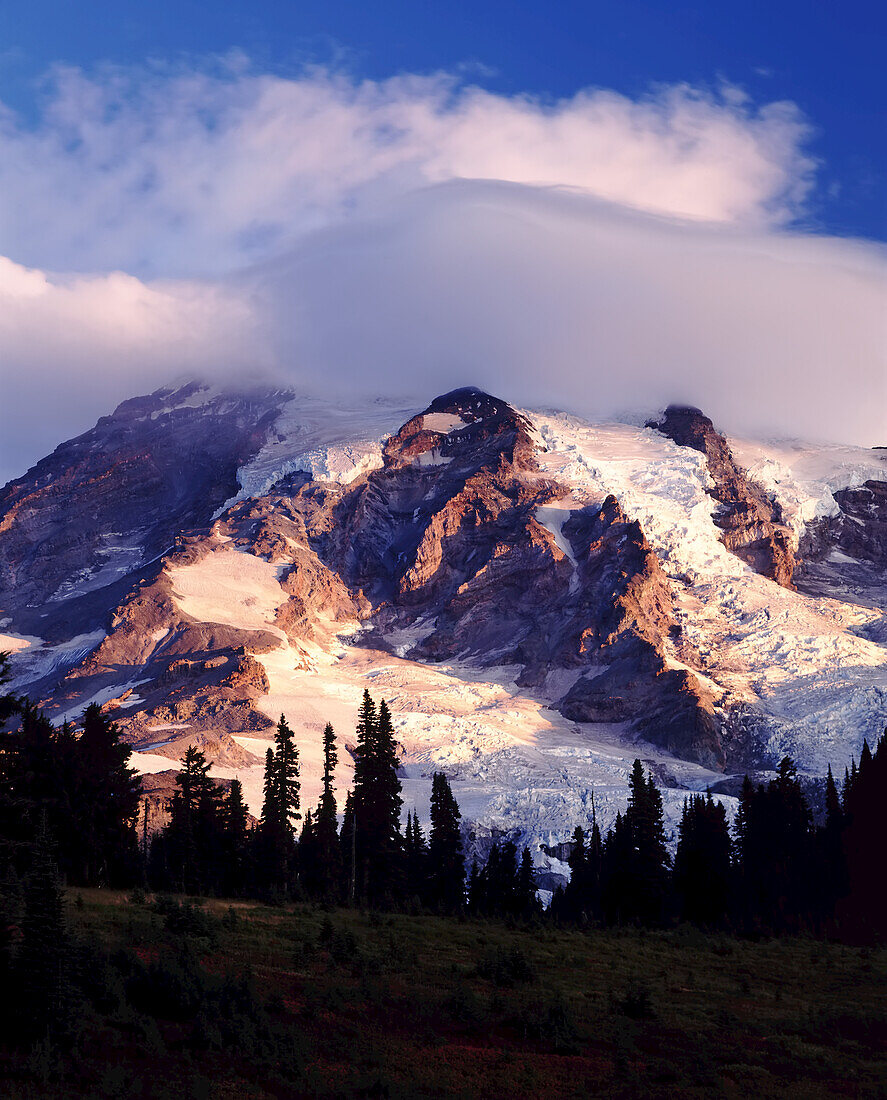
(540,597)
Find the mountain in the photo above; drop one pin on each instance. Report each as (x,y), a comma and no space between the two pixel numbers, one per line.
(540,599)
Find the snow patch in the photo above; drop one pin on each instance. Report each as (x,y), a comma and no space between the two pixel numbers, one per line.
(230,587)
(803,477)
(442,422)
(333,442)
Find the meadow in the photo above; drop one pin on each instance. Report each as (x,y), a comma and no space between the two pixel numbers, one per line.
(237,999)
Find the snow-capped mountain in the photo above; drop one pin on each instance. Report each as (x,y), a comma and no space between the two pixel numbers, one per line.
(540,599)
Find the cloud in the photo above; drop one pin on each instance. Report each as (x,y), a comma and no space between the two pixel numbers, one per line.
(192,173)
(561,300)
(410,235)
(72,347)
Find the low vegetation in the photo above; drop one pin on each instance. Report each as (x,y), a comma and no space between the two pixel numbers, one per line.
(179,997)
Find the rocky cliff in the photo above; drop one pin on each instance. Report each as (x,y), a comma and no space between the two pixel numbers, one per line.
(539,598)
(751,521)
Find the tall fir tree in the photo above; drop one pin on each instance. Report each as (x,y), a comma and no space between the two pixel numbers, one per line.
(280,810)
(702,866)
(446,855)
(416,860)
(376,807)
(636,858)
(348,848)
(235,840)
(105,805)
(862,912)
(192,839)
(329,856)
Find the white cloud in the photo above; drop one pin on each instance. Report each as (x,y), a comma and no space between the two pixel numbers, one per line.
(72,347)
(194,173)
(561,300)
(606,254)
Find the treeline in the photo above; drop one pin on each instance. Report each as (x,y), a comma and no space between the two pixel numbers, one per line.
(75,788)
(209,848)
(774,872)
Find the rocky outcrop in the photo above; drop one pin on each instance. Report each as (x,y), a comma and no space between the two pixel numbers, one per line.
(858,530)
(158,466)
(751,521)
(625,614)
(454,532)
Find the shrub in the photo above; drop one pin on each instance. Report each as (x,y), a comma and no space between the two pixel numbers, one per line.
(505,967)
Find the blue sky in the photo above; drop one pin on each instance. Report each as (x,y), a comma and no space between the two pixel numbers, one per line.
(826,57)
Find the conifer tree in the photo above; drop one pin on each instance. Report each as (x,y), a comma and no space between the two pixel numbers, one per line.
(235,839)
(376,806)
(416,859)
(328,854)
(774,854)
(702,866)
(617,885)
(309,870)
(193,836)
(526,901)
(862,913)
(636,858)
(446,856)
(348,849)
(280,809)
(579,900)
(104,804)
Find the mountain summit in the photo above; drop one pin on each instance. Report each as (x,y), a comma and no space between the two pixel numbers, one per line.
(539,598)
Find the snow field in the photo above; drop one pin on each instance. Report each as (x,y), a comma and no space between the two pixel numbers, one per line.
(760,643)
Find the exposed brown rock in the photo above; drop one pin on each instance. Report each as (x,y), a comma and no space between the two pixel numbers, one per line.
(146,473)
(446,532)
(751,521)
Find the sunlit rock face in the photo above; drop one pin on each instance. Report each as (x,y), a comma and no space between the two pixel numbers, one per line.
(102,505)
(750,519)
(539,598)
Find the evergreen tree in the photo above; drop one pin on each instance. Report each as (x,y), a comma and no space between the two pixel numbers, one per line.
(104,805)
(526,901)
(573,899)
(702,865)
(235,840)
(193,837)
(328,853)
(416,860)
(496,888)
(446,856)
(774,848)
(617,879)
(376,806)
(636,857)
(862,913)
(43,962)
(309,869)
(280,810)
(348,848)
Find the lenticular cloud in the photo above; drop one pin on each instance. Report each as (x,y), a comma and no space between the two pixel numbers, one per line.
(192,173)
(405,236)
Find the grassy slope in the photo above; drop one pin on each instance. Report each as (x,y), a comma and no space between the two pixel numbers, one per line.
(396,1003)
